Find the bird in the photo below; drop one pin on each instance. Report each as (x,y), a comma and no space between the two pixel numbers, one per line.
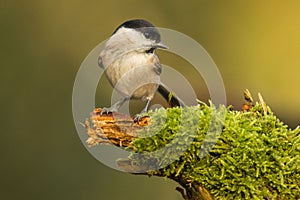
(132,66)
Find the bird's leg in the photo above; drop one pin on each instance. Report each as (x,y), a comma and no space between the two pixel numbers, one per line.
(115,107)
(146,107)
(138,117)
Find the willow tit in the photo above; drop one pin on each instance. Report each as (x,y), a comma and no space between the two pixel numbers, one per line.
(131,65)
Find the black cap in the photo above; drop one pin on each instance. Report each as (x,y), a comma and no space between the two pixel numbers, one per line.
(143,26)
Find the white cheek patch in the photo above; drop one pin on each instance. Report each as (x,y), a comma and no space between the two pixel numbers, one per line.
(125,40)
(129,39)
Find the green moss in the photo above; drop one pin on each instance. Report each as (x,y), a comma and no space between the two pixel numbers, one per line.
(235,155)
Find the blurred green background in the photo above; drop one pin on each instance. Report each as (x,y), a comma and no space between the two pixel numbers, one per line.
(255,44)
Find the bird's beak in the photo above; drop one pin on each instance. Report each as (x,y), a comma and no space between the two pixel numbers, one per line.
(161,46)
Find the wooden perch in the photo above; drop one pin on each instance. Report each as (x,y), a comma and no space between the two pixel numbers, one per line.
(114,128)
(255,157)
(120,129)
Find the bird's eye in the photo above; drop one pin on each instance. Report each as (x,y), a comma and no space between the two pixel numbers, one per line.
(151,50)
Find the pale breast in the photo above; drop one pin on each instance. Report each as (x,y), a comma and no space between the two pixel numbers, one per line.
(134,75)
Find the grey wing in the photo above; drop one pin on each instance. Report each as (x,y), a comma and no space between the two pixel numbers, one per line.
(157,67)
(100,62)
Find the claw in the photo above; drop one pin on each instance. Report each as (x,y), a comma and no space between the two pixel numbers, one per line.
(139,117)
(115,107)
(106,111)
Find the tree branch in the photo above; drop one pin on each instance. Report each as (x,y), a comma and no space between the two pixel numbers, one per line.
(255,156)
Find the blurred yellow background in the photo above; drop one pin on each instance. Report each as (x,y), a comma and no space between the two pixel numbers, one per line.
(255,44)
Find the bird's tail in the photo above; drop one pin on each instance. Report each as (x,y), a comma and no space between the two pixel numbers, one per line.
(172,99)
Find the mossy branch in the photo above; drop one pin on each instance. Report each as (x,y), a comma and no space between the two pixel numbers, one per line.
(247,154)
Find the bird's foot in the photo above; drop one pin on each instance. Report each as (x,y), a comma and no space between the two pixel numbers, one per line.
(106,111)
(140,117)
